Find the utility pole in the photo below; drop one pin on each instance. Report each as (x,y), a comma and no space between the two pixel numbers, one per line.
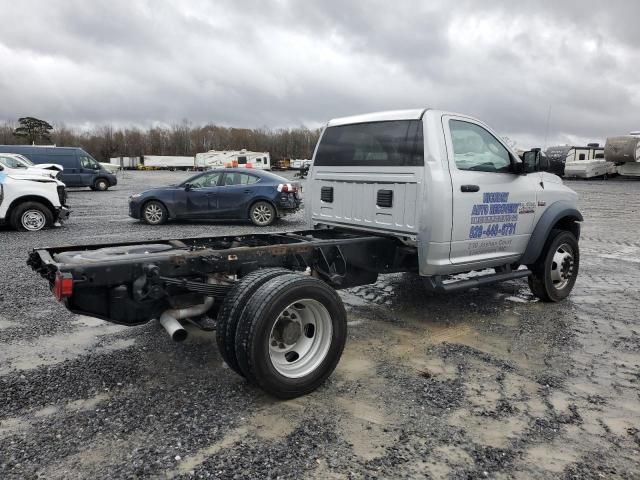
(546,130)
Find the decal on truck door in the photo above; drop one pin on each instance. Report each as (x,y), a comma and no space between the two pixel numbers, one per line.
(496,217)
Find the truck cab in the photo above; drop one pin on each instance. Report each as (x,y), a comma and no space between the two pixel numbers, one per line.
(442,182)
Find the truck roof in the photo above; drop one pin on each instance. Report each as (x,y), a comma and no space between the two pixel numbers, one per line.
(390,115)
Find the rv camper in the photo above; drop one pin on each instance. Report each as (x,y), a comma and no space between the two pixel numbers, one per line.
(587,162)
(233,158)
(625,152)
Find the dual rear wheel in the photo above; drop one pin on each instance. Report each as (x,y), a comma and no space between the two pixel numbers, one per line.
(285,332)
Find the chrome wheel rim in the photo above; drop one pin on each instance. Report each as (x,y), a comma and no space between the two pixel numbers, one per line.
(262,214)
(300,338)
(102,185)
(562,266)
(153,213)
(33,220)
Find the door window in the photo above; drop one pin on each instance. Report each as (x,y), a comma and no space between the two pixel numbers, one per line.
(206,180)
(239,179)
(474,148)
(11,162)
(89,163)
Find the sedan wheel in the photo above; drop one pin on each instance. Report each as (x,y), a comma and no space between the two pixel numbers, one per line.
(263,214)
(154,213)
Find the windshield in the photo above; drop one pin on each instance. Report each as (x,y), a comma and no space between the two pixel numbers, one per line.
(392,144)
(12,162)
(24,160)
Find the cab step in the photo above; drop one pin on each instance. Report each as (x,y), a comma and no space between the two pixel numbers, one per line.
(437,284)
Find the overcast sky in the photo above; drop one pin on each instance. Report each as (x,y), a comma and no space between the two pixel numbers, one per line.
(288,63)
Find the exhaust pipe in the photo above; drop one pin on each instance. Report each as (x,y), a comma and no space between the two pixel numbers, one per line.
(169,319)
(173,327)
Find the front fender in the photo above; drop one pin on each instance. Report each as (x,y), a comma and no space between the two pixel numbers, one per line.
(560,211)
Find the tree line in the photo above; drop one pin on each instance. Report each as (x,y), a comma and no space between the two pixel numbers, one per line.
(104,142)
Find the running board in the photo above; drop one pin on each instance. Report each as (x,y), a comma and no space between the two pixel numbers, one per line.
(436,284)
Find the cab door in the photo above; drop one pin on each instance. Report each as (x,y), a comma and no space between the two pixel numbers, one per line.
(493,207)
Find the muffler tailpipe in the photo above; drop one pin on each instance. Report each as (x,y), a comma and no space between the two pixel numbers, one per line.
(169,319)
(173,327)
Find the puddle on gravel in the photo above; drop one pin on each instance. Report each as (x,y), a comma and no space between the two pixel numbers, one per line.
(28,355)
(268,424)
(12,425)
(4,323)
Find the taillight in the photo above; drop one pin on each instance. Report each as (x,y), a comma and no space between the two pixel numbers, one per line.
(287,188)
(63,286)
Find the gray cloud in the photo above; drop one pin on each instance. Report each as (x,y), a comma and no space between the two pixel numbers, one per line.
(286,63)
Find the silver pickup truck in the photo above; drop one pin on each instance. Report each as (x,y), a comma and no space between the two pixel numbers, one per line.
(424,191)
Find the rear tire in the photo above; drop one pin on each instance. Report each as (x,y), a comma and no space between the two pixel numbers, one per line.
(262,214)
(232,308)
(291,335)
(31,217)
(154,213)
(101,185)
(554,274)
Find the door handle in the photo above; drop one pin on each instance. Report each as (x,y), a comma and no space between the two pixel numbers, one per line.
(469,188)
(247,191)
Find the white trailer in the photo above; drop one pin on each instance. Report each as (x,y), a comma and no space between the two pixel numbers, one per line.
(300,163)
(233,158)
(164,162)
(126,163)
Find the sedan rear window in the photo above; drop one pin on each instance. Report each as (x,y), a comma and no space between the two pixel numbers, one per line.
(383,144)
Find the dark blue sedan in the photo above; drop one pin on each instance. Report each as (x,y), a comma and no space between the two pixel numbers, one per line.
(227,193)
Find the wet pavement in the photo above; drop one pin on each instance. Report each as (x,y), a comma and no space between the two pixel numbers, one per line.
(489,383)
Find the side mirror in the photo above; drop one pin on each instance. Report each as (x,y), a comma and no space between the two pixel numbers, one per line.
(188,187)
(531,160)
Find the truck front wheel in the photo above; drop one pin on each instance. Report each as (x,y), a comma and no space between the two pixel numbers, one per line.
(31,217)
(291,335)
(554,274)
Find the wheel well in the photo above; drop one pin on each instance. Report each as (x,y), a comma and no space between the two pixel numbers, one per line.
(265,201)
(30,198)
(570,224)
(146,202)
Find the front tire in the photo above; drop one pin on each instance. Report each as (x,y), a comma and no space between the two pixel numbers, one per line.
(262,214)
(31,217)
(154,213)
(554,274)
(100,185)
(291,335)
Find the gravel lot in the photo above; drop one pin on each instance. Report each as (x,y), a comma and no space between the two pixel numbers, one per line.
(485,384)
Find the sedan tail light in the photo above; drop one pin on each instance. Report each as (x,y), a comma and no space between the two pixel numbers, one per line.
(63,285)
(287,188)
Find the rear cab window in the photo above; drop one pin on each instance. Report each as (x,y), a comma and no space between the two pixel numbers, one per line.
(397,143)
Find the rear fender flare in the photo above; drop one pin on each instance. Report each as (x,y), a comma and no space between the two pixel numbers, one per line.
(561,212)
